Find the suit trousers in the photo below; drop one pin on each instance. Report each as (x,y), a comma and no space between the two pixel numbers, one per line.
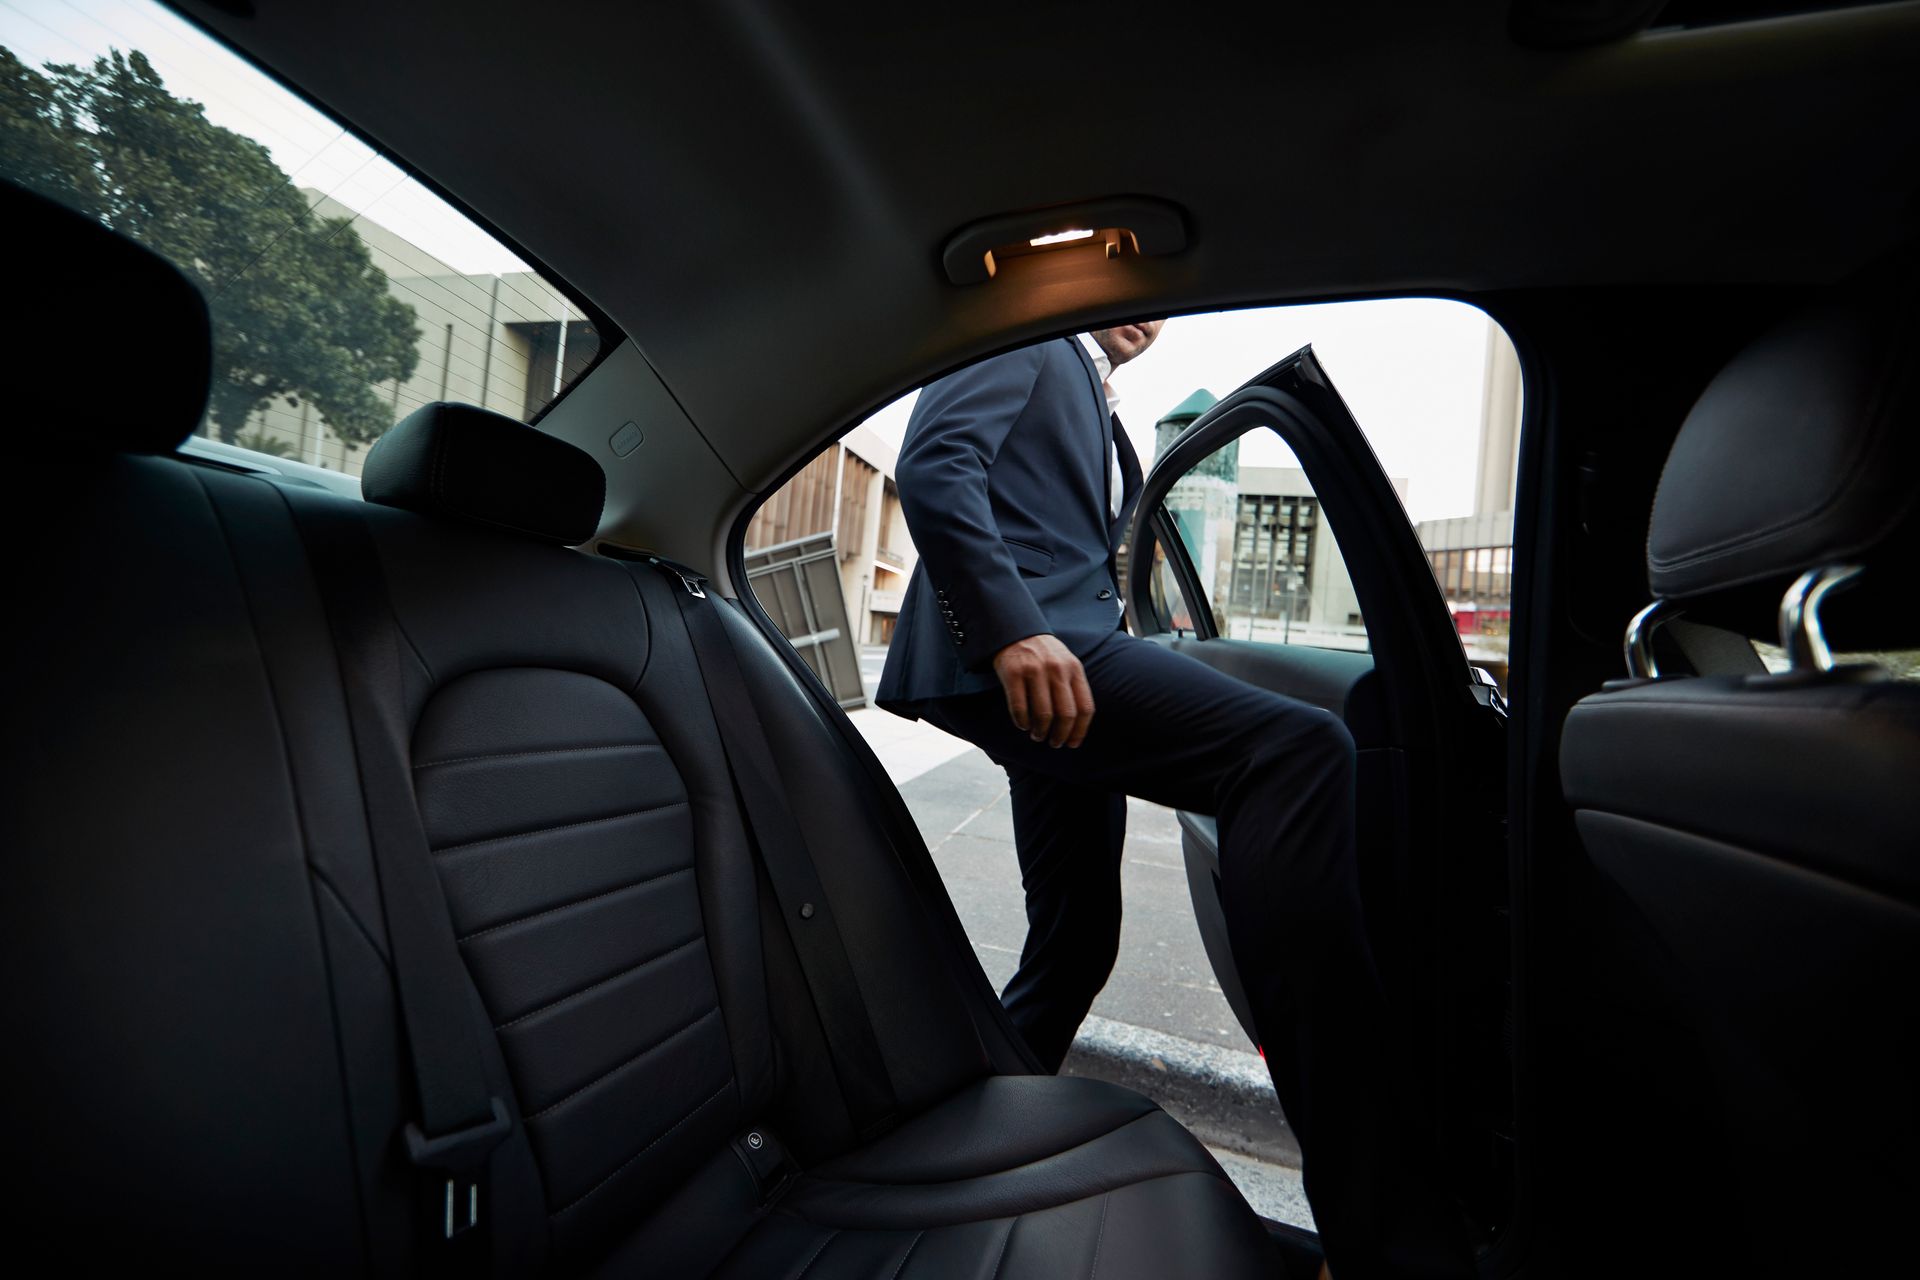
(1279,777)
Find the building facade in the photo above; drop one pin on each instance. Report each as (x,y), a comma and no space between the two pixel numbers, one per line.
(507,342)
(1256,538)
(1472,555)
(849,494)
(1274,570)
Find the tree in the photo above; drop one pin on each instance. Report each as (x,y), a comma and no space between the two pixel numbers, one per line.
(299,309)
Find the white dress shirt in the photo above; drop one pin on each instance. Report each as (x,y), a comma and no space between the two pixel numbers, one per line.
(1103,365)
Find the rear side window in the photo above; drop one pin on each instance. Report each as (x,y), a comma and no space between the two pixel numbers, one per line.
(344,293)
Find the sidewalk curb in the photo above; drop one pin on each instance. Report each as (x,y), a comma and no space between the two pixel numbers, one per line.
(1223,1095)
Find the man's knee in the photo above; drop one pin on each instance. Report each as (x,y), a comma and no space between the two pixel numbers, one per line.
(1314,745)
(1333,743)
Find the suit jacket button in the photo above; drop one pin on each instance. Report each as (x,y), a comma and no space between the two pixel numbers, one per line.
(1104,594)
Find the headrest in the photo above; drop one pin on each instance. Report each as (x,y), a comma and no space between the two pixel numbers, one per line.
(1803,452)
(119,347)
(463,463)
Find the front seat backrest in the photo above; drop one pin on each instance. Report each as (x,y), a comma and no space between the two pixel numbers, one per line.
(1763,831)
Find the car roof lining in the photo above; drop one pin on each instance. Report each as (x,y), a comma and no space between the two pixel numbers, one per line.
(770,244)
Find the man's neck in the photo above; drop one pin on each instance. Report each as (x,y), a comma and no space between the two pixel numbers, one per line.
(1103,366)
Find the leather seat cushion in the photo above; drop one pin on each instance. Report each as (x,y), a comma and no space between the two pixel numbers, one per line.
(1015,1176)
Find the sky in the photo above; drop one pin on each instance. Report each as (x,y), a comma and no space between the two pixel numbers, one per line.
(1410,369)
(312,148)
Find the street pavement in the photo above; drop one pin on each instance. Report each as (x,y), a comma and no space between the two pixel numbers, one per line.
(1162,985)
(959,798)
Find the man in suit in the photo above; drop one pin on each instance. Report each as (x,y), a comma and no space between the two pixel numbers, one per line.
(1016,480)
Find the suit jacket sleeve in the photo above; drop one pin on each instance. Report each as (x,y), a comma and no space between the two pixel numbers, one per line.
(956,429)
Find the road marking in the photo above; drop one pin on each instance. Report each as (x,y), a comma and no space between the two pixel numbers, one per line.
(964,822)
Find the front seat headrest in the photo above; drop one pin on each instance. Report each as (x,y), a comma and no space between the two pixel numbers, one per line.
(120,347)
(464,463)
(1803,452)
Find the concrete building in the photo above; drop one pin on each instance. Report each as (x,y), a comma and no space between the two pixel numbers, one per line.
(506,342)
(1272,569)
(1472,555)
(846,495)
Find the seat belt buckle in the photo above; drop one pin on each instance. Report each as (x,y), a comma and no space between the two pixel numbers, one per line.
(767,1162)
(459,1161)
(692,581)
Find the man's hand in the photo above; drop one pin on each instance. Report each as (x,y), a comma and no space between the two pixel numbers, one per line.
(1047,693)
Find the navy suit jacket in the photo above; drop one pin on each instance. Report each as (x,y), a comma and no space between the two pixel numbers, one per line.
(1003,479)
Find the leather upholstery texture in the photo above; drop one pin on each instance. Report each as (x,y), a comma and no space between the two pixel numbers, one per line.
(1801,453)
(79,275)
(1728,757)
(465,463)
(1020,1176)
(209,1069)
(1755,838)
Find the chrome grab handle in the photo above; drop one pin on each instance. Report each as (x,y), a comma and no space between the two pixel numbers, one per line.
(1639,638)
(1800,632)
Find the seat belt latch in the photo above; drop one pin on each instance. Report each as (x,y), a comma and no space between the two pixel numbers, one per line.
(692,581)
(767,1162)
(459,1161)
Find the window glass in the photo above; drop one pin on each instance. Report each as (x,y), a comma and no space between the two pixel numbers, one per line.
(1435,387)
(1899,664)
(1265,558)
(344,293)
(1169,601)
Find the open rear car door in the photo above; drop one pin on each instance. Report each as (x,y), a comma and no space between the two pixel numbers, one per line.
(1237,565)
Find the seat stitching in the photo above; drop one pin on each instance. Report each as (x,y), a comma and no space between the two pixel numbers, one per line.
(353,918)
(575,1203)
(565,826)
(1729,701)
(294,790)
(1099,1237)
(646,624)
(594,986)
(547,751)
(577,902)
(917,1237)
(815,1255)
(1001,1258)
(993,1173)
(624,1063)
(790,1209)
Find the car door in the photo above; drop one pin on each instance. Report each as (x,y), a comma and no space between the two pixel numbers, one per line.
(1306,578)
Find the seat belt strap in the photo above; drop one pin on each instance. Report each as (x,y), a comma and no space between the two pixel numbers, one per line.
(802,901)
(460,1121)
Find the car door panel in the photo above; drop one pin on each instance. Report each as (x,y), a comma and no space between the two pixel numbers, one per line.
(1335,680)
(1431,750)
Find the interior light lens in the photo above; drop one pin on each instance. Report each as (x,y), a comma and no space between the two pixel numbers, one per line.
(1059,237)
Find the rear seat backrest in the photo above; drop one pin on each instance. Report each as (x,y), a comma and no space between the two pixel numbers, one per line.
(597,872)
(210,1067)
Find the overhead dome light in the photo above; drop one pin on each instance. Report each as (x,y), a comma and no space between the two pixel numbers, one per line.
(1098,231)
(1060,237)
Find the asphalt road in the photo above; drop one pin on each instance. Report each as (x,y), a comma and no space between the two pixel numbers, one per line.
(1162,979)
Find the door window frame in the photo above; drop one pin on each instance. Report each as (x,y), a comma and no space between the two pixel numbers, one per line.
(1410,631)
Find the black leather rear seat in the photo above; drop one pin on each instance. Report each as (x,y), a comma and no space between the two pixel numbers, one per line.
(207,1057)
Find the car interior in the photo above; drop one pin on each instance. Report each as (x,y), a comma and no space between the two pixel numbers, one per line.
(458,872)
